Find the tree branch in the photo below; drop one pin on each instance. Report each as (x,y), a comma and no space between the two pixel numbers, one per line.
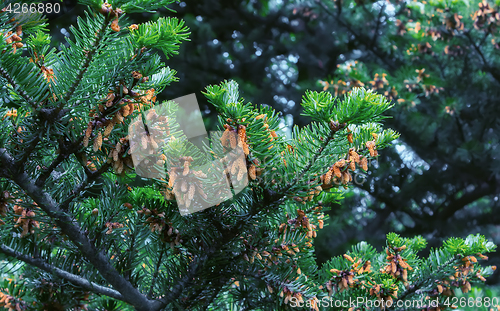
(27,151)
(85,66)
(317,154)
(449,207)
(70,277)
(188,278)
(16,88)
(478,50)
(74,233)
(486,65)
(155,274)
(78,189)
(421,282)
(64,152)
(359,37)
(243,225)
(379,21)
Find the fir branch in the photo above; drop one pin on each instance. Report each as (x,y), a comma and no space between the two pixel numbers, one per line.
(317,154)
(44,114)
(97,240)
(40,181)
(194,267)
(89,58)
(210,300)
(65,150)
(450,206)
(27,151)
(131,253)
(486,34)
(477,48)
(214,294)
(486,65)
(70,277)
(416,286)
(157,269)
(15,86)
(73,231)
(228,235)
(91,176)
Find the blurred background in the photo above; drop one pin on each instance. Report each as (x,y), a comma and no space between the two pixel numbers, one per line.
(438,61)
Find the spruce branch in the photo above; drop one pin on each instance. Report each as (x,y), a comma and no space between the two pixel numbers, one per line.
(88,60)
(70,277)
(215,292)
(155,274)
(40,181)
(16,87)
(420,282)
(74,232)
(91,176)
(450,206)
(317,154)
(28,150)
(377,26)
(65,150)
(228,236)
(477,48)
(486,65)
(131,252)
(194,268)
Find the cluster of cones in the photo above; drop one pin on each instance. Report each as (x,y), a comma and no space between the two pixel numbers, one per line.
(396,265)
(108,116)
(236,137)
(25,220)
(159,224)
(14,38)
(106,9)
(185,183)
(339,172)
(121,159)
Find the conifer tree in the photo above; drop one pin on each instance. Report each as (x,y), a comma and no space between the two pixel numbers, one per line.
(91,233)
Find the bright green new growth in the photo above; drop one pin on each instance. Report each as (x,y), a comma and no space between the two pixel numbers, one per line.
(165,34)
